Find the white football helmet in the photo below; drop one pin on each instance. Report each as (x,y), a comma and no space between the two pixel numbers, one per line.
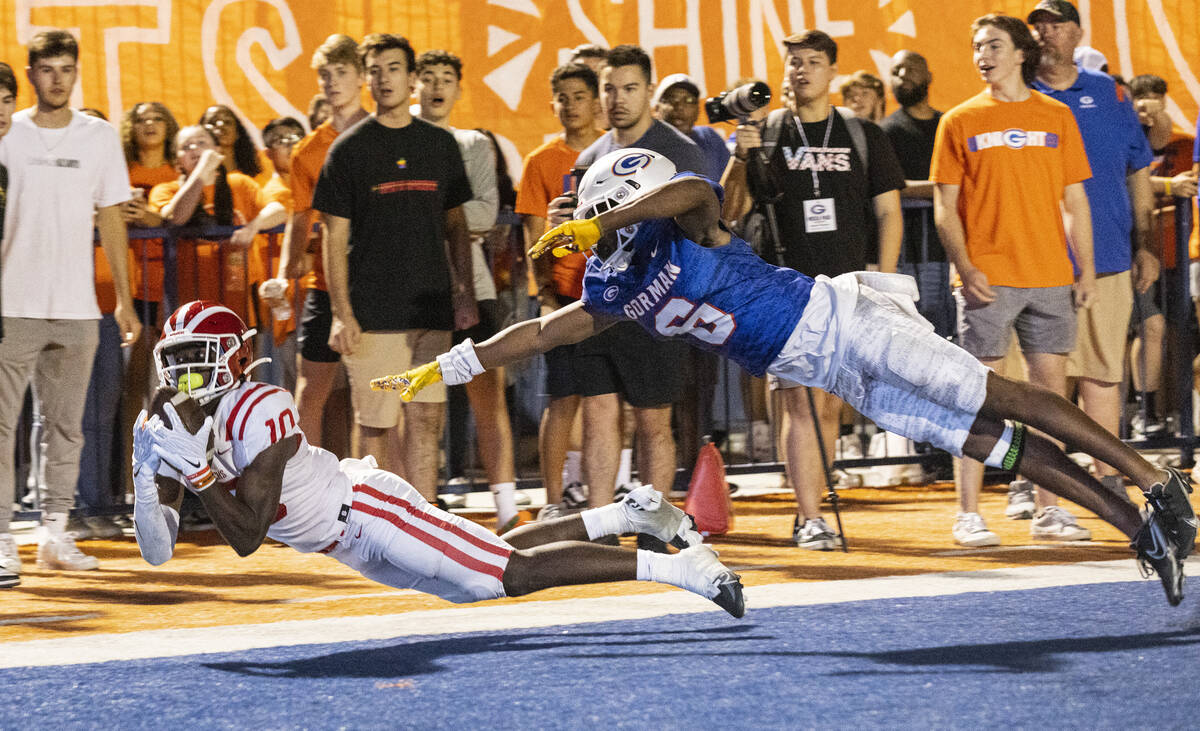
(621,176)
(204,350)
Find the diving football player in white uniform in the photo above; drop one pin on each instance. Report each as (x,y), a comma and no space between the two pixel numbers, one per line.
(262,478)
(664,259)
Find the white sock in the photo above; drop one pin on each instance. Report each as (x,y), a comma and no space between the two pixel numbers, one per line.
(571,467)
(660,567)
(504,493)
(55,524)
(625,468)
(606,520)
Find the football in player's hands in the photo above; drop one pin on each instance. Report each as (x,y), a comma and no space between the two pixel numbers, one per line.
(188,409)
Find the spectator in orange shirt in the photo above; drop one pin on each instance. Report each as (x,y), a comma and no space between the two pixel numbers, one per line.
(1004,162)
(280,137)
(235,144)
(205,194)
(576,102)
(323,410)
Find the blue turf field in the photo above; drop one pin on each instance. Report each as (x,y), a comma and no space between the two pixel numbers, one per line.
(1096,656)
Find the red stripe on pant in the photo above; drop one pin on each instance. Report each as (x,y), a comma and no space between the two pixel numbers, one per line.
(456,530)
(449,551)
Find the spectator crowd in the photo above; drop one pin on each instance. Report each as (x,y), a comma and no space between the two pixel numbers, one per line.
(1037,217)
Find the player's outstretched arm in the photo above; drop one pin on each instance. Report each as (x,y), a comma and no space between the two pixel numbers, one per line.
(466,360)
(156,499)
(243,519)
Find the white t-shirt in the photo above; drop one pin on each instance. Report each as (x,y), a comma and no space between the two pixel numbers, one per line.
(56,180)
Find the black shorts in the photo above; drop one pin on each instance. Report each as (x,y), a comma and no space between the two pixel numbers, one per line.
(489,323)
(313,333)
(624,359)
(560,372)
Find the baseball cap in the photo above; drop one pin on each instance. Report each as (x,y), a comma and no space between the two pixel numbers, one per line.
(675,80)
(1060,9)
(1087,57)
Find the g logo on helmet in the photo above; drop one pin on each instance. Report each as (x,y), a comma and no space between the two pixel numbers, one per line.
(630,164)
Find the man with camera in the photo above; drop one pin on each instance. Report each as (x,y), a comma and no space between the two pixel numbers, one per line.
(834,183)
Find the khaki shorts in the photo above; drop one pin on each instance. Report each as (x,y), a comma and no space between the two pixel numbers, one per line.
(385,353)
(1100,340)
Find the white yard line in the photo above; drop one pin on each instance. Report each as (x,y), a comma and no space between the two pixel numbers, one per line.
(528,615)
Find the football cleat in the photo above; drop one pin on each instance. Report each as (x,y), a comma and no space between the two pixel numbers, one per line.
(647,513)
(1157,555)
(709,578)
(1174,510)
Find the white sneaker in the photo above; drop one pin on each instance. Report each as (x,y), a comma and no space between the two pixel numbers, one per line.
(1056,524)
(707,576)
(1020,500)
(62,554)
(650,515)
(970,530)
(10,562)
(815,535)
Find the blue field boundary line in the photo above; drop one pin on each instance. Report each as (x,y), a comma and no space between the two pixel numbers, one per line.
(95,648)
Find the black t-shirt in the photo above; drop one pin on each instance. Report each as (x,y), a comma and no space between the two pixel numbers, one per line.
(842,177)
(395,185)
(912,140)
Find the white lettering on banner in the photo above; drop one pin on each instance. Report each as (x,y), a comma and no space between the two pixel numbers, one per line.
(278,56)
(651,37)
(113,38)
(835,28)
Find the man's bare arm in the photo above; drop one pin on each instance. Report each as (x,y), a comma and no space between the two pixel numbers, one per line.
(564,326)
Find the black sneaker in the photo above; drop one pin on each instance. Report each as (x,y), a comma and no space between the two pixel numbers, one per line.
(1174,510)
(1157,555)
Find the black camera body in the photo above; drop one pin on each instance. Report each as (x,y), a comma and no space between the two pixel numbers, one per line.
(737,103)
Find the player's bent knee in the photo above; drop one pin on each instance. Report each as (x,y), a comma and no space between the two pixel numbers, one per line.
(518,575)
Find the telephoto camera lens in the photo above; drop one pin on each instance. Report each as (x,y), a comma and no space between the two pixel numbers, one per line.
(737,103)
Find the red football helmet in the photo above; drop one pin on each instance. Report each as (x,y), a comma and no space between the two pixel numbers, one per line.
(204,350)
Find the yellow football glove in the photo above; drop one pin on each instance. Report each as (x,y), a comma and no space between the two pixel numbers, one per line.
(409,382)
(567,238)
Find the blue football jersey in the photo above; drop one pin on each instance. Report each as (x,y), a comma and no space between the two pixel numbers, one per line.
(726,299)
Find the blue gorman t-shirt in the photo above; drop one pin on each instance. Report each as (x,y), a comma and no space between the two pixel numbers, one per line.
(725,300)
(1116,146)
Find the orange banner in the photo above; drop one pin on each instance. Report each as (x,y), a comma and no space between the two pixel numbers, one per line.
(254,54)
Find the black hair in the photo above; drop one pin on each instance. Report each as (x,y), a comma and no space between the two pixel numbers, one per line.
(245,154)
(438,57)
(575,71)
(628,54)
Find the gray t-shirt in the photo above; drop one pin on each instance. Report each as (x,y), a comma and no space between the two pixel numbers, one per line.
(661,138)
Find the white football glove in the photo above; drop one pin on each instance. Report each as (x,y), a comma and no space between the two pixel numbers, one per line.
(183,450)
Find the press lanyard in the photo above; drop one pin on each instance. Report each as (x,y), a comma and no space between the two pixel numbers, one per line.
(824,145)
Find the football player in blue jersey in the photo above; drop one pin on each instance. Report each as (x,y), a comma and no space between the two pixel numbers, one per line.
(663,257)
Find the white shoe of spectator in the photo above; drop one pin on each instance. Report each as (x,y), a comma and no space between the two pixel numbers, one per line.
(1020,500)
(62,554)
(1056,524)
(970,530)
(10,562)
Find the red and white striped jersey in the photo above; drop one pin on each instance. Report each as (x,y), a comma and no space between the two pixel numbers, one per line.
(251,418)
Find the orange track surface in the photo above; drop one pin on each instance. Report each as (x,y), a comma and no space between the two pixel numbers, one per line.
(893,531)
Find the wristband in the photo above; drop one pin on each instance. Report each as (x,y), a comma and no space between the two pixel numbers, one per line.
(460,364)
(201,480)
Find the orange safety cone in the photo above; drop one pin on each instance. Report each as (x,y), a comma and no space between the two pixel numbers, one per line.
(708,496)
